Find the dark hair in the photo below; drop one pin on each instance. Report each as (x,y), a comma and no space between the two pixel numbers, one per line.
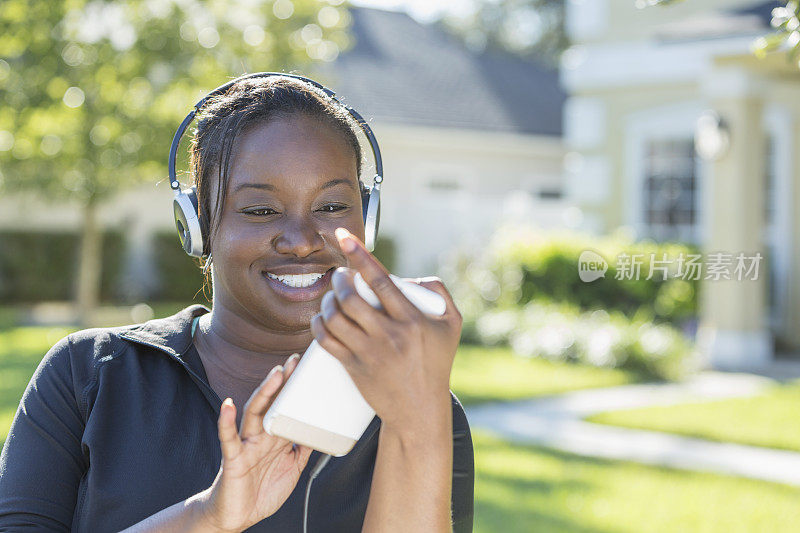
(247,103)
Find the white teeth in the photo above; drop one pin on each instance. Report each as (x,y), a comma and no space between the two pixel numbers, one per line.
(296,280)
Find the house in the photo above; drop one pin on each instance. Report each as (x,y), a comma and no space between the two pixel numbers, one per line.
(467,139)
(650,89)
(465,136)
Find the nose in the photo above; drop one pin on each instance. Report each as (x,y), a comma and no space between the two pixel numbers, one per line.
(298,236)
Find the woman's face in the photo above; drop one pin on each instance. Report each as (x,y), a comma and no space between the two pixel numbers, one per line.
(292,182)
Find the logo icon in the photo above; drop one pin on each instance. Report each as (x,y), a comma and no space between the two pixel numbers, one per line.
(591,266)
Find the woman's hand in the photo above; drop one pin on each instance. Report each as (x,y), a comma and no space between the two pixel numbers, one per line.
(258,471)
(399,358)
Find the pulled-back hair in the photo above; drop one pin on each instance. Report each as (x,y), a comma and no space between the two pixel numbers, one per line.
(246,103)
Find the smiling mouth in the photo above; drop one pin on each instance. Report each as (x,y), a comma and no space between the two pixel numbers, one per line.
(298,280)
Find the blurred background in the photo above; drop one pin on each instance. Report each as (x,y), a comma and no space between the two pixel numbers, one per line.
(516,135)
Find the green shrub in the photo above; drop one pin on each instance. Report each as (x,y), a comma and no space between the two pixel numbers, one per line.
(180,276)
(386,252)
(520,266)
(113,265)
(560,332)
(523,289)
(39,266)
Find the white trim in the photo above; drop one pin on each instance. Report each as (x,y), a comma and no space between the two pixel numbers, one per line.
(728,349)
(663,122)
(778,122)
(602,66)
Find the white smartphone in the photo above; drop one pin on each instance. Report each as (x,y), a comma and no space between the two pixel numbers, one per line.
(320,406)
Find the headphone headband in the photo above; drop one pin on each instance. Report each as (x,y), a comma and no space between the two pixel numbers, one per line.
(176,139)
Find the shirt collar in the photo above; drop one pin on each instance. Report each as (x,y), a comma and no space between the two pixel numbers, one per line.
(171,334)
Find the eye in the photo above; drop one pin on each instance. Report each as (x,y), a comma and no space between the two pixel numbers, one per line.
(261,211)
(332,208)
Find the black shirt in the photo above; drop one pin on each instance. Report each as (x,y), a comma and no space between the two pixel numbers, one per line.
(119,423)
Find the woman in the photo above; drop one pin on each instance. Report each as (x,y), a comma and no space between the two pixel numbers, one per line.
(126,427)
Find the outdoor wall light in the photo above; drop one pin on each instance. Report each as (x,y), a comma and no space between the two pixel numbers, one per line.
(711,136)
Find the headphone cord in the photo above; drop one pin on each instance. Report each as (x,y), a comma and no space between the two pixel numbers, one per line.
(321,462)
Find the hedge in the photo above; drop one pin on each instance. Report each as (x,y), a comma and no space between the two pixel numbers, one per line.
(41,266)
(520,266)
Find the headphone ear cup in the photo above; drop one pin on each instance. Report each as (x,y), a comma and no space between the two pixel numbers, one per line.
(372,216)
(184,207)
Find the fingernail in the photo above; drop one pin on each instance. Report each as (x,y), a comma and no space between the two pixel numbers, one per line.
(294,357)
(228,402)
(345,239)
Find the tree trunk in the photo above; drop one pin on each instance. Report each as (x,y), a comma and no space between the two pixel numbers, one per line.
(90,264)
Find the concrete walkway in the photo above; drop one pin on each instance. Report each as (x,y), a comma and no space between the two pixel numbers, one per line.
(555,422)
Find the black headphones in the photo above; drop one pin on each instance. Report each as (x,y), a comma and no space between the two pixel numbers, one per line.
(193,231)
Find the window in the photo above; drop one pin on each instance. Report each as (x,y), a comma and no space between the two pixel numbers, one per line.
(670,189)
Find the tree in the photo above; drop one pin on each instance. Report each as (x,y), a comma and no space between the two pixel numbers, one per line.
(786,37)
(532,29)
(93,90)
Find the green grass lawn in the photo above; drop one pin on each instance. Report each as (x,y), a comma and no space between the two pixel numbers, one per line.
(490,374)
(770,419)
(21,349)
(529,488)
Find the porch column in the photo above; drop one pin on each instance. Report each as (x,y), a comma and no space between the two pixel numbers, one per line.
(733,333)
(792,331)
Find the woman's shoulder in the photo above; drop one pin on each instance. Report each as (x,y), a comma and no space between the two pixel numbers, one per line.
(86,349)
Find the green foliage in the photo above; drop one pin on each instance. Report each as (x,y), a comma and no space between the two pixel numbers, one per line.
(41,266)
(94,90)
(523,289)
(386,252)
(560,332)
(786,37)
(531,29)
(520,266)
(180,276)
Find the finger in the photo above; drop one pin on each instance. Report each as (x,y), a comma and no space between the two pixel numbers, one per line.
(342,327)
(256,406)
(372,321)
(376,276)
(329,342)
(226,427)
(436,285)
(289,366)
(302,453)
